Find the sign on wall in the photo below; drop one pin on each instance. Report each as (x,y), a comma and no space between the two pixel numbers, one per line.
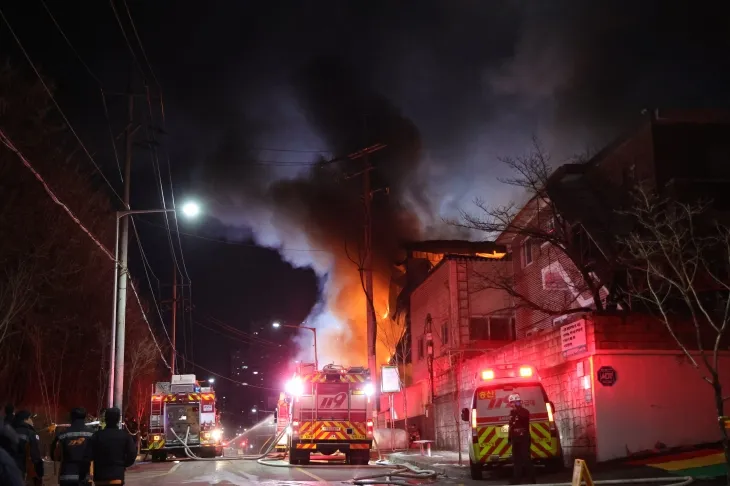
(389,379)
(607,375)
(573,338)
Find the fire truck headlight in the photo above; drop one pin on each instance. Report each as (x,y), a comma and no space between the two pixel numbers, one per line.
(217,435)
(369,389)
(294,387)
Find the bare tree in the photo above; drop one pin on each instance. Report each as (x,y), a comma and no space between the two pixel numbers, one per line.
(142,359)
(547,232)
(15,296)
(679,260)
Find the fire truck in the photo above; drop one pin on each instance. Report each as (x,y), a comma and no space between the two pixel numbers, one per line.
(330,411)
(182,412)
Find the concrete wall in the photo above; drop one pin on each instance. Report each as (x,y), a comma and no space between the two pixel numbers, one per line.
(654,392)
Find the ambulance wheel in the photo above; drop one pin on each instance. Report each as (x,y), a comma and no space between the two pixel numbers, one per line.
(475,470)
(159,457)
(554,465)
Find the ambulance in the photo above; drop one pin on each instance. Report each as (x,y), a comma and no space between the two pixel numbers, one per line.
(489,418)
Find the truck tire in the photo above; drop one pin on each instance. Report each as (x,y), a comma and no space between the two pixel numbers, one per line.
(359,458)
(475,470)
(159,456)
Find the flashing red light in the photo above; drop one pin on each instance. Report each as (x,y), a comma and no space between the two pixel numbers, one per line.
(370,428)
(488,375)
(526,372)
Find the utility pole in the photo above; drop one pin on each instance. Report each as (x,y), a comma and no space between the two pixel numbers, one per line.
(368,270)
(121,303)
(174,318)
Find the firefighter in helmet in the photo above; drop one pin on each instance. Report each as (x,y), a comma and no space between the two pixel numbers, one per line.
(519,438)
(68,446)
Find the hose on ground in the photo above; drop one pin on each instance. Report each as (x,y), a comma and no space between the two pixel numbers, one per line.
(191,455)
(404,471)
(681,481)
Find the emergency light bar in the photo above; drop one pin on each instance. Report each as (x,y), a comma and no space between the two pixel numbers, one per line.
(508,371)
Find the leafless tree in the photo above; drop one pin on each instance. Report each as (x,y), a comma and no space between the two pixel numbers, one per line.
(15,296)
(679,259)
(142,360)
(552,236)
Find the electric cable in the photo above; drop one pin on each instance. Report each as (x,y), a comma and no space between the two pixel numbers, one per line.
(58,107)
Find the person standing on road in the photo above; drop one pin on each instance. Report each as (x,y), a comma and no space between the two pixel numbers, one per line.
(69,447)
(112,450)
(28,457)
(519,437)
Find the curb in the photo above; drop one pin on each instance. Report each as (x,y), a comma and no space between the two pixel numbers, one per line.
(448,471)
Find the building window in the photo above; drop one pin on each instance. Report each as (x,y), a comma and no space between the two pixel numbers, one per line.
(492,328)
(445,333)
(526,252)
(420,348)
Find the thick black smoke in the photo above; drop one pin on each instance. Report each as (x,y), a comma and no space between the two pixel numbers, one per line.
(449,87)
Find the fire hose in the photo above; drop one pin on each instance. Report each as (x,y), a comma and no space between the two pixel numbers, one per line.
(191,455)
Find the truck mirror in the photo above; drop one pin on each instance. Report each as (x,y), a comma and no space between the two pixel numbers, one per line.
(465,414)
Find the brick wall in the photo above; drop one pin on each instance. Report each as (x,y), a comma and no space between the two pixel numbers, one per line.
(529,284)
(431,297)
(483,300)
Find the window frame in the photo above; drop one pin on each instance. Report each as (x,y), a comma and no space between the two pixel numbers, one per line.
(512,326)
(526,247)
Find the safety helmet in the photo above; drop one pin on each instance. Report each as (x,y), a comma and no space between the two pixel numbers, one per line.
(514,398)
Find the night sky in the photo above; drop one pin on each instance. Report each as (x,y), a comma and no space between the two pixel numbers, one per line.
(256,92)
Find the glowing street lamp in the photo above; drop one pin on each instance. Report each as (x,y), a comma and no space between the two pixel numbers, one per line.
(118,334)
(191,209)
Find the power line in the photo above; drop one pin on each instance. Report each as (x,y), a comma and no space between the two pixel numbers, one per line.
(126,38)
(9,144)
(58,107)
(142,49)
(227,336)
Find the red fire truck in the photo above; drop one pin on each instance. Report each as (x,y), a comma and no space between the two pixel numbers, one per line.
(182,412)
(331,411)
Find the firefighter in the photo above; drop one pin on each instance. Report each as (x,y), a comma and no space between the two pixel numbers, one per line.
(519,438)
(112,450)
(28,457)
(69,447)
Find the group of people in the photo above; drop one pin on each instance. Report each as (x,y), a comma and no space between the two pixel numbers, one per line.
(85,455)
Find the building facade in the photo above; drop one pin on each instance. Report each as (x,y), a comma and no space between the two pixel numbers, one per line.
(462,322)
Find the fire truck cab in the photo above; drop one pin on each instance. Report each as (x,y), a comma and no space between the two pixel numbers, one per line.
(489,418)
(330,412)
(183,413)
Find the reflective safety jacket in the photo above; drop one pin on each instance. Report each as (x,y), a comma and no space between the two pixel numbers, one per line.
(69,447)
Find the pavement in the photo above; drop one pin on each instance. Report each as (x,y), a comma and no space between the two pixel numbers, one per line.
(232,471)
(693,464)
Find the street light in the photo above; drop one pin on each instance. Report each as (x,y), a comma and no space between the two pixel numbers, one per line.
(119,311)
(277,325)
(191,209)
(212,380)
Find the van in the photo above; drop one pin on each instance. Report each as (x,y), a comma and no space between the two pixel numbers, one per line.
(489,419)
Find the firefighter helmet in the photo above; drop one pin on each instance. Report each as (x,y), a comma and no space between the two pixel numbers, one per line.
(514,398)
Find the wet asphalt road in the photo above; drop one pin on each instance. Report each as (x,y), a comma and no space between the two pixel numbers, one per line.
(242,472)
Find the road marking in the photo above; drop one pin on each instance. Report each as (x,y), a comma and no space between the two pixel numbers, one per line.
(311,475)
(174,468)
